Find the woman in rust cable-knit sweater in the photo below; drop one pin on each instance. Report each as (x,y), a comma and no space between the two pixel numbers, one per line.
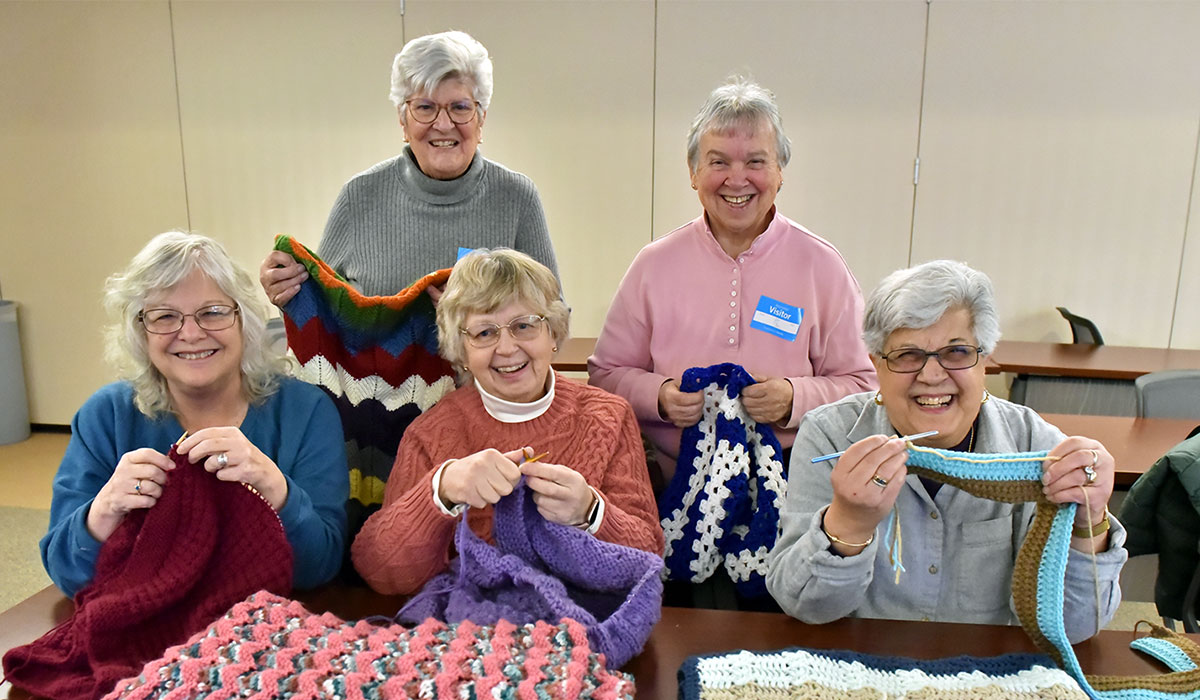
(500,322)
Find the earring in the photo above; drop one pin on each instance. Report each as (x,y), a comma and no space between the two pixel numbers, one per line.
(986,396)
(878,399)
(554,349)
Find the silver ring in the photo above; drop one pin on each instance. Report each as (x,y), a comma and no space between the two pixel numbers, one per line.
(137,488)
(879,481)
(222,460)
(1090,473)
(1095,458)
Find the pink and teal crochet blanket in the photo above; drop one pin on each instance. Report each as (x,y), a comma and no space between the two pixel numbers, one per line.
(377,357)
(269,647)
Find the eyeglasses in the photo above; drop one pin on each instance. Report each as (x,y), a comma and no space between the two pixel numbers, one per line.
(910,360)
(217,317)
(485,335)
(427,111)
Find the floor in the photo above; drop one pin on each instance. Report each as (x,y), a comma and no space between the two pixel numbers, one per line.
(27,472)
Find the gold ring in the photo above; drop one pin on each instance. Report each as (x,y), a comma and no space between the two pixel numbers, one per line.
(879,481)
(137,488)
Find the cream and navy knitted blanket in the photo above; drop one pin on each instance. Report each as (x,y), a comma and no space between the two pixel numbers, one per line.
(377,357)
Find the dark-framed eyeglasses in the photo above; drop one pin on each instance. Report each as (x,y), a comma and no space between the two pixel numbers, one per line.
(216,317)
(427,111)
(485,335)
(910,360)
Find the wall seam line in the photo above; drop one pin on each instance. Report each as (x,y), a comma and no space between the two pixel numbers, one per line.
(187,202)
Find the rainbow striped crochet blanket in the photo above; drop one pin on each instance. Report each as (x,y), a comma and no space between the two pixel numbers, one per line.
(375,356)
(269,647)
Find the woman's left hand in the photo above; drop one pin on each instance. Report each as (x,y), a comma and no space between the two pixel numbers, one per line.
(561,493)
(768,401)
(227,453)
(1082,463)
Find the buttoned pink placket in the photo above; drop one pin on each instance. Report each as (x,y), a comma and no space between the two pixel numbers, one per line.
(734,291)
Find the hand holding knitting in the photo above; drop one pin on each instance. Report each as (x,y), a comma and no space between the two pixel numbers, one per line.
(230,455)
(481,479)
(280,276)
(682,408)
(1066,475)
(137,482)
(560,493)
(770,400)
(866,480)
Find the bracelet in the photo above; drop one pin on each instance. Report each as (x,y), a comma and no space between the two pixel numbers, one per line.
(834,538)
(1094,530)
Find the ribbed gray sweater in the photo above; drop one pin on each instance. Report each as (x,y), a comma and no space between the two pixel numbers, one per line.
(392,224)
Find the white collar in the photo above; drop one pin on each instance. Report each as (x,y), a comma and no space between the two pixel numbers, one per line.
(513,412)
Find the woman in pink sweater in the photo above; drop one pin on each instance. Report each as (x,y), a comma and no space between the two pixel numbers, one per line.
(500,322)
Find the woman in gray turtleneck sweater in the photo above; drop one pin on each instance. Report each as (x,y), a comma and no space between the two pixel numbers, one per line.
(412,214)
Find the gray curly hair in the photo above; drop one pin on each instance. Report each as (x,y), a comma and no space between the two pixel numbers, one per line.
(918,296)
(737,102)
(426,61)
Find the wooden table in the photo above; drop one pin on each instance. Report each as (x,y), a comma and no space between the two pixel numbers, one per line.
(1089,361)
(684,632)
(1135,443)
(573,355)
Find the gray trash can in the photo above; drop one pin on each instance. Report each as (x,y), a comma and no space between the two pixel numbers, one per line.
(14,406)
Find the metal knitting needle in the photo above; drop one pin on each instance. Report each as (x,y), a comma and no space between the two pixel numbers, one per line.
(906,438)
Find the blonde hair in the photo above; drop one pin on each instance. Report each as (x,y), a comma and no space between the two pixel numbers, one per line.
(165,261)
(485,280)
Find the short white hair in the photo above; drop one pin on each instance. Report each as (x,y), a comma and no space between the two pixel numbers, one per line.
(427,61)
(165,261)
(738,102)
(917,297)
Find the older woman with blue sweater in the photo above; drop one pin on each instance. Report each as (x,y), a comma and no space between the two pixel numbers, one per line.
(928,329)
(188,336)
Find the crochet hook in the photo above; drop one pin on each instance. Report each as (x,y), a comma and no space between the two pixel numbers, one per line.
(906,438)
(535,458)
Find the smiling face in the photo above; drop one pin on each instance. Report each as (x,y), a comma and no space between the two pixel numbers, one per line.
(737,176)
(443,149)
(934,398)
(192,360)
(513,370)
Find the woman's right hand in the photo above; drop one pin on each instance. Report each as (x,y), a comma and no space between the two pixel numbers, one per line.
(280,276)
(137,482)
(683,408)
(866,481)
(481,479)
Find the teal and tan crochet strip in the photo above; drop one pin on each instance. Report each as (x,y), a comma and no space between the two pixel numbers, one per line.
(1040,569)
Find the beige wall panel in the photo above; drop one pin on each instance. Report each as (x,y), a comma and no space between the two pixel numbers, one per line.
(1186,330)
(847,77)
(281,103)
(1057,155)
(572,110)
(90,144)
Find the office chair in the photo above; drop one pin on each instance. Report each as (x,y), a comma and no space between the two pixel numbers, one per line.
(1083,331)
(1169,393)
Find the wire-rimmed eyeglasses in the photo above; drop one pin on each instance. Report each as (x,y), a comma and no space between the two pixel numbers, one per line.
(910,360)
(485,335)
(427,111)
(216,317)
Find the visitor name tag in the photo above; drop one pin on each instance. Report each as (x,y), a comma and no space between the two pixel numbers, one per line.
(777,318)
(462,252)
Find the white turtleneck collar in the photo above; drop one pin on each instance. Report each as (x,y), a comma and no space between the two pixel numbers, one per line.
(513,412)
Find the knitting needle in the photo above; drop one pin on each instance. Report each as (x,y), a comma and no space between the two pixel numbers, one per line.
(906,438)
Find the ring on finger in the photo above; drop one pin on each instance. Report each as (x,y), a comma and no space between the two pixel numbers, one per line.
(879,481)
(223,460)
(1089,473)
(137,488)
(1095,458)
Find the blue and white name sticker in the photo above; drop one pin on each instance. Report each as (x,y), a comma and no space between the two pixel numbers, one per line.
(462,252)
(777,318)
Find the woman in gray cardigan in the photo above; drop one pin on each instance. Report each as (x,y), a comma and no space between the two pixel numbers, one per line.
(927,329)
(415,213)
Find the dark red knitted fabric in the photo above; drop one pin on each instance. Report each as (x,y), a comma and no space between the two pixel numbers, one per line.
(164,574)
